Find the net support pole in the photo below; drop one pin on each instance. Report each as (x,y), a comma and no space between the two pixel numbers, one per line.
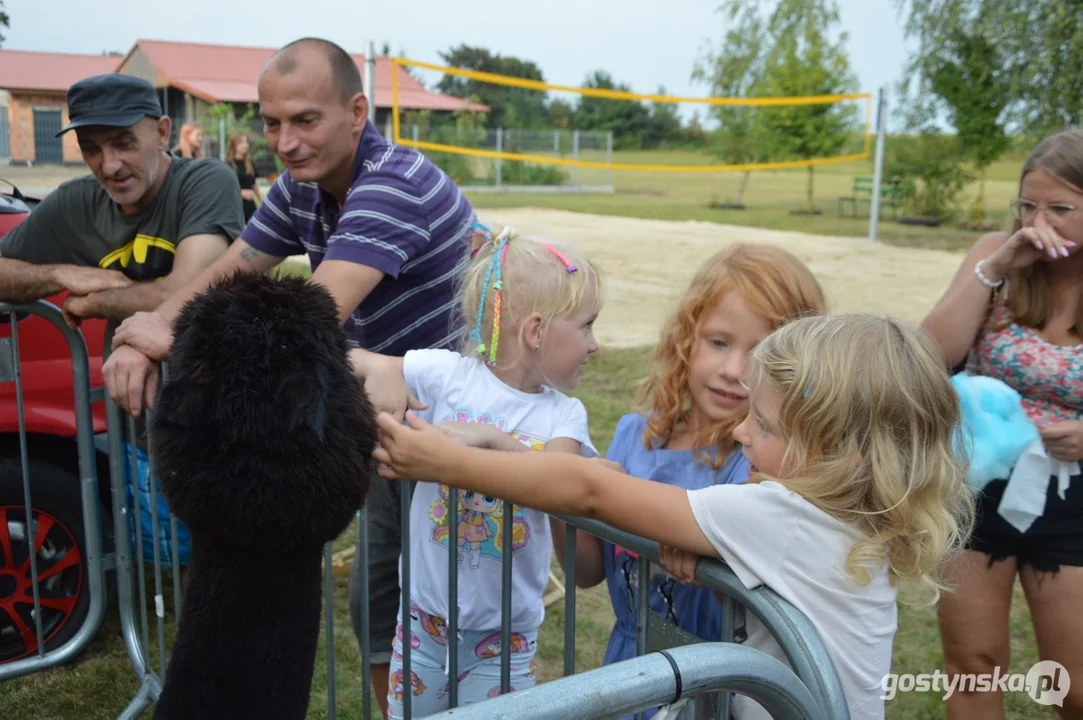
(609,156)
(370,73)
(878,166)
(499,164)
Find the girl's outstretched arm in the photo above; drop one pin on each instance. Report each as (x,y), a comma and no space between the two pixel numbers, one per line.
(550,482)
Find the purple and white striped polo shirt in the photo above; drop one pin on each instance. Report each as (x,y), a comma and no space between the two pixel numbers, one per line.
(404,216)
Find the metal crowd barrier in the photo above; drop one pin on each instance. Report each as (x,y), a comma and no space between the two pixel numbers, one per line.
(660,678)
(706,673)
(35,530)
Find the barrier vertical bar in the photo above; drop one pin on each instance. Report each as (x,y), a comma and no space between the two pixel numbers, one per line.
(878,169)
(642,610)
(363,559)
(329,625)
(453,596)
(141,571)
(24,456)
(571,538)
(159,605)
(505,599)
(407,685)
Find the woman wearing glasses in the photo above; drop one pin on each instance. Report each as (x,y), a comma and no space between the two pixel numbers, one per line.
(1013,313)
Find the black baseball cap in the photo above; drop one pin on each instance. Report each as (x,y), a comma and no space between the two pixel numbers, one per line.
(115,100)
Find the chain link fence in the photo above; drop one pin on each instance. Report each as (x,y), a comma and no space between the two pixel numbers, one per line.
(475,172)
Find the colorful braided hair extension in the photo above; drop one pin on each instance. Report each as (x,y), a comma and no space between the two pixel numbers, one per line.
(497,265)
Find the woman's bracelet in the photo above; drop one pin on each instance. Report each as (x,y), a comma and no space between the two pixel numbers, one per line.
(984,280)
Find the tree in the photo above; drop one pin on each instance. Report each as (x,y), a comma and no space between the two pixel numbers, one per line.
(4,20)
(926,160)
(969,79)
(509,106)
(663,124)
(735,71)
(1039,47)
(627,120)
(801,60)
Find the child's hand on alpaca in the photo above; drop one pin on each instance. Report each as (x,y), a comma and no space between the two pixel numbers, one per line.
(678,563)
(416,452)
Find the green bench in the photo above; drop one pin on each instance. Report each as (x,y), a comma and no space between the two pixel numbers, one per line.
(861,191)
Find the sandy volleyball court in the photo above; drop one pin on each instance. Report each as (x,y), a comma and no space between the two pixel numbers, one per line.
(648,264)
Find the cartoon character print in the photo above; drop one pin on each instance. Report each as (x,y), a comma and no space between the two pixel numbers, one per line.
(489,647)
(481,517)
(396,685)
(415,642)
(435,627)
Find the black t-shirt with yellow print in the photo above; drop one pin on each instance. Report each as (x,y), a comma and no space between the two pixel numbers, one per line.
(79,224)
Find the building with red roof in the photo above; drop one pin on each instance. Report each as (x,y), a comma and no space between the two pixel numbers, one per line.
(33,88)
(190,77)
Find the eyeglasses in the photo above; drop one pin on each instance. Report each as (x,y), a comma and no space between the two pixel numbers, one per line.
(1057,214)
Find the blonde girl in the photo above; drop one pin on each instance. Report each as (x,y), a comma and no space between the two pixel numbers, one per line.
(694,400)
(529,311)
(856,487)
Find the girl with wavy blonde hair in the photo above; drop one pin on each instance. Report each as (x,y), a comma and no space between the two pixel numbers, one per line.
(691,402)
(857,488)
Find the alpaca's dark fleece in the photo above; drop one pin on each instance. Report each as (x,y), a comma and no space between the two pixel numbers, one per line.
(263,440)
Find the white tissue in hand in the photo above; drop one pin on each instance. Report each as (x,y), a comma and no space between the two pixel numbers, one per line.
(1025,495)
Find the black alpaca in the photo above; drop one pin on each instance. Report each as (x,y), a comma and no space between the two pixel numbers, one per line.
(263,440)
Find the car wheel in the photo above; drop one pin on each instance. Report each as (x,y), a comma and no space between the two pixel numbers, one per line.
(59,548)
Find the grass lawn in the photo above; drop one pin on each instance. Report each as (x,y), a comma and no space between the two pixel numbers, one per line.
(769,198)
(101,683)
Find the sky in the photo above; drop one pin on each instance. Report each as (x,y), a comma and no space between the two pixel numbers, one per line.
(645,44)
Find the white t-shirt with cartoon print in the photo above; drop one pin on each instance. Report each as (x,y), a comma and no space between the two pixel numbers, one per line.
(463,389)
(771,536)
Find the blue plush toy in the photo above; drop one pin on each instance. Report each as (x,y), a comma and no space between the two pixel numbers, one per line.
(996,430)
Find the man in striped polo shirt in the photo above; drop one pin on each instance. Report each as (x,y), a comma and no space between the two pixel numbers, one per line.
(386,231)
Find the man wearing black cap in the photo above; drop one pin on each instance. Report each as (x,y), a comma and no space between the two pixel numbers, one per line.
(136,229)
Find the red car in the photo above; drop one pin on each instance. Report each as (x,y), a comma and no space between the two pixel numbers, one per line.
(49,410)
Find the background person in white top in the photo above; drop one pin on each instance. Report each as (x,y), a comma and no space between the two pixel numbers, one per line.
(855,487)
(530,310)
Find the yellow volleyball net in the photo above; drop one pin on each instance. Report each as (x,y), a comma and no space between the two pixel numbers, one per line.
(436,143)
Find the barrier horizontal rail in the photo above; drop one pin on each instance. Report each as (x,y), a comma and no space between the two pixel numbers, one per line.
(87,477)
(631,686)
(795,633)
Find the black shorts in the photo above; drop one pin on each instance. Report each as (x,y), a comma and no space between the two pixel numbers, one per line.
(1055,538)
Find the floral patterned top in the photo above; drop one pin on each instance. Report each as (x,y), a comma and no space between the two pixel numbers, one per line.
(1048,376)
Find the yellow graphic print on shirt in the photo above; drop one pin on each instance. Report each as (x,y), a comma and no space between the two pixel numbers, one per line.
(481,517)
(144,258)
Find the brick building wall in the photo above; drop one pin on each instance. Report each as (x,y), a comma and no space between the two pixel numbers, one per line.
(21,125)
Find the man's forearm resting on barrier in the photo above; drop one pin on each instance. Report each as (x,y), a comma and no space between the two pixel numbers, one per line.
(22,282)
(153,335)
